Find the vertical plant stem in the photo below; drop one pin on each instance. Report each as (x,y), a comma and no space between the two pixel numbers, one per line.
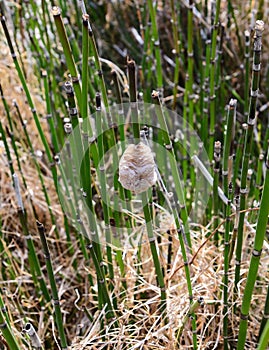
(226,269)
(156,42)
(85,65)
(248,141)
(33,260)
(154,252)
(246,78)
(7,333)
(168,145)
(132,90)
(264,339)
(103,183)
(265,314)
(70,62)
(228,152)
(217,158)
(255,259)
(189,82)
(98,66)
(204,95)
(212,95)
(49,115)
(176,50)
(54,291)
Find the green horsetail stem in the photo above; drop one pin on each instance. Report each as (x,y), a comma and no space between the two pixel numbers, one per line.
(33,259)
(70,62)
(103,184)
(85,67)
(156,43)
(228,145)
(265,317)
(7,333)
(256,67)
(176,51)
(212,77)
(98,66)
(154,251)
(204,95)
(133,98)
(247,59)
(49,116)
(217,159)
(226,268)
(239,153)
(220,93)
(264,339)
(255,259)
(166,142)
(189,81)
(54,290)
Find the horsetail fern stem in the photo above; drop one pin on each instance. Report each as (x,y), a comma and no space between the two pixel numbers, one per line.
(255,259)
(228,142)
(133,98)
(156,42)
(188,95)
(29,98)
(264,339)
(4,309)
(258,182)
(8,153)
(265,314)
(204,95)
(212,95)
(33,260)
(176,50)
(7,332)
(117,188)
(154,252)
(217,158)
(70,62)
(182,240)
(49,115)
(246,70)
(97,63)
(226,268)
(72,40)
(54,291)
(103,184)
(191,311)
(189,82)
(85,65)
(220,93)
(259,27)
(239,153)
(168,145)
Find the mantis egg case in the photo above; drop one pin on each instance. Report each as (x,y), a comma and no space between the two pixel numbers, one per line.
(137,168)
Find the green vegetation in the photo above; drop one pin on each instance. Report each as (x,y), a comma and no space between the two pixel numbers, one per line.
(86,263)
